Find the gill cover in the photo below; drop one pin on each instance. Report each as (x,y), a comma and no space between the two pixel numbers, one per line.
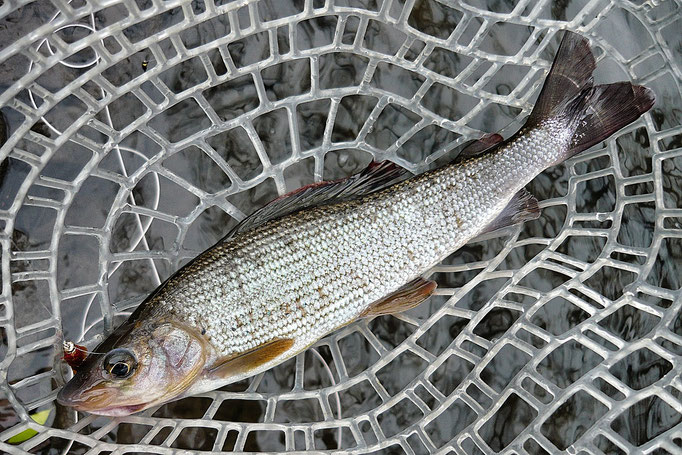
(143,367)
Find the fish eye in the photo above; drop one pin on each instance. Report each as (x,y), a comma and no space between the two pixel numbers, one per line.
(119,364)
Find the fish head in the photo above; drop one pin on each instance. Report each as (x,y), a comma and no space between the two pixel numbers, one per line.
(147,366)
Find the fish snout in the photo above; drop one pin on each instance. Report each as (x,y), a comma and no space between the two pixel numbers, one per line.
(71,396)
(66,400)
(96,401)
(81,395)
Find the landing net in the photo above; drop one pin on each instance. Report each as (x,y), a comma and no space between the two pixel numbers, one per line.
(140,132)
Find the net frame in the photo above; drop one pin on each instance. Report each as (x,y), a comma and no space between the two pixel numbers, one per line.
(28,103)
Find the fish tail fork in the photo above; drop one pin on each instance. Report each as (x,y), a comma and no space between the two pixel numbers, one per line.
(591,112)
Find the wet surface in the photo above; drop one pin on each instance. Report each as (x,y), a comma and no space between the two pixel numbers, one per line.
(500,342)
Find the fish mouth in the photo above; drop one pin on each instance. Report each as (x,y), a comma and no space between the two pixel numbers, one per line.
(94,404)
(118,411)
(92,408)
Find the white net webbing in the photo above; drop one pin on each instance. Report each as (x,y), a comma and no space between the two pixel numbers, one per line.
(139,132)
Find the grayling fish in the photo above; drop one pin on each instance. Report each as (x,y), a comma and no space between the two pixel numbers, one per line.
(330,253)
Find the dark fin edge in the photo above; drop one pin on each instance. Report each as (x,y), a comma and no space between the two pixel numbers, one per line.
(377,176)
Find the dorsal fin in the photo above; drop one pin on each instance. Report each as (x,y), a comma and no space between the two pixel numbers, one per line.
(377,176)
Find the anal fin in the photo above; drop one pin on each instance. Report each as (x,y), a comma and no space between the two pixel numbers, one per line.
(250,360)
(405,298)
(522,207)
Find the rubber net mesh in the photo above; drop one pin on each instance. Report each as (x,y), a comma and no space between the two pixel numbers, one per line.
(139,132)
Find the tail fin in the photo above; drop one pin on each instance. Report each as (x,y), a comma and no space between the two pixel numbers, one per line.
(571,73)
(604,109)
(593,112)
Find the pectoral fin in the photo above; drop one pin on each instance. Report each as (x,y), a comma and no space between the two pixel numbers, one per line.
(250,360)
(405,298)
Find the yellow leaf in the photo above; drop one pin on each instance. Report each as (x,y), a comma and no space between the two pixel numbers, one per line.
(39,418)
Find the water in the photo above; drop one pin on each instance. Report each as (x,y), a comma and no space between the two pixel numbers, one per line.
(563,332)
